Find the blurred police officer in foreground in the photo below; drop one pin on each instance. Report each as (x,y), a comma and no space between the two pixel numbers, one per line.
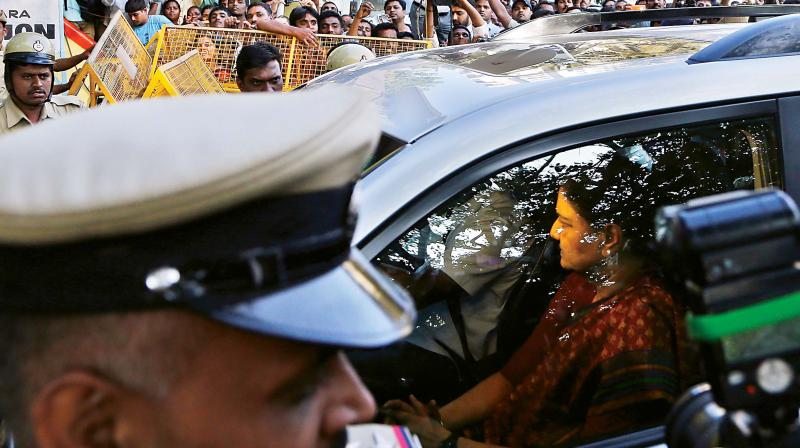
(29,59)
(175,295)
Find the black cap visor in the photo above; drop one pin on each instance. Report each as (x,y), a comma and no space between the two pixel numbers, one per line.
(352,305)
(30,58)
(266,266)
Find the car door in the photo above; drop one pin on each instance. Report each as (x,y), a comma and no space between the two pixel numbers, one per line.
(478,256)
(789,116)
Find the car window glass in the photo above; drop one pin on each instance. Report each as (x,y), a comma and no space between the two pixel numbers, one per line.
(506,286)
(773,42)
(530,60)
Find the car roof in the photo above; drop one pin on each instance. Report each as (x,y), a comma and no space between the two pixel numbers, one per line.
(546,107)
(432,82)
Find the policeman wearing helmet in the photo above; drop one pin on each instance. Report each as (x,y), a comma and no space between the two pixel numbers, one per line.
(347,53)
(189,296)
(29,59)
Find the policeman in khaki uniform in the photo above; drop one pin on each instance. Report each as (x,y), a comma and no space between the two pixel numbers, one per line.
(29,59)
(169,294)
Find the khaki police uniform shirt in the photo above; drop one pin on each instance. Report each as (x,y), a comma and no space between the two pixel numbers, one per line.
(12,118)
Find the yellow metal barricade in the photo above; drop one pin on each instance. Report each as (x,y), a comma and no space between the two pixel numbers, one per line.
(118,68)
(187,75)
(217,47)
(152,47)
(300,63)
(308,63)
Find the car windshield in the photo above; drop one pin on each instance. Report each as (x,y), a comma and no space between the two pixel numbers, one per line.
(522,59)
(779,40)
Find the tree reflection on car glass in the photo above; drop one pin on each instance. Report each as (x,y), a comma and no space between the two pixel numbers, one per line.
(544,318)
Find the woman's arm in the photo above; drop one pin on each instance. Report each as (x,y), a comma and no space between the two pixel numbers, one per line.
(472,407)
(425,421)
(477,403)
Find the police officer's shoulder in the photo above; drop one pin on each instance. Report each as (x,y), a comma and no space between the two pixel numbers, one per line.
(67,100)
(3,99)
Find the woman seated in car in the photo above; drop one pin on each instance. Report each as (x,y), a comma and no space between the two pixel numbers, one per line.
(604,357)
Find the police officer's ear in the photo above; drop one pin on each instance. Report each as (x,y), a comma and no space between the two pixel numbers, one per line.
(79,409)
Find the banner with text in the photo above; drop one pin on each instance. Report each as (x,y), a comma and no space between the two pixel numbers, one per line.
(39,16)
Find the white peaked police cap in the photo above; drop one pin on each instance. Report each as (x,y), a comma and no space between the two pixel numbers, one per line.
(236,207)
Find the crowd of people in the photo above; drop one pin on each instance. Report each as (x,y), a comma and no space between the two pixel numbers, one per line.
(461,22)
(258,67)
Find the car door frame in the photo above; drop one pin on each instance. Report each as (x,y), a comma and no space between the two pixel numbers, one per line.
(511,155)
(789,120)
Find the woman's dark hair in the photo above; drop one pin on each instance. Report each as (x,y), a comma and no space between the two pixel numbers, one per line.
(617,190)
(256,55)
(404,34)
(299,13)
(616,194)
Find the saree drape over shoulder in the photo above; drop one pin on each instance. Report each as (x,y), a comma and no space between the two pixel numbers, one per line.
(592,368)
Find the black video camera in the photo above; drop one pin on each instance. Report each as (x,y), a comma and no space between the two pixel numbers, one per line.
(737,256)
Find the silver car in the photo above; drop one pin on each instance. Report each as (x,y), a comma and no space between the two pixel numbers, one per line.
(471,203)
